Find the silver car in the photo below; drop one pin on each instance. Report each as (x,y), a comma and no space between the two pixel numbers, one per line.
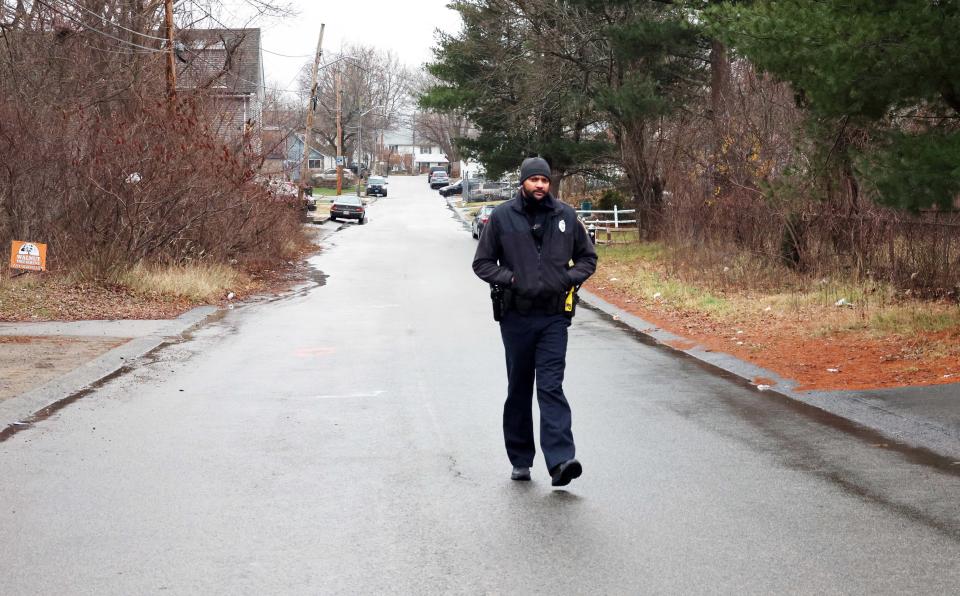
(439,180)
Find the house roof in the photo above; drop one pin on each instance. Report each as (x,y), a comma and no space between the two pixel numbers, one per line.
(315,152)
(430,158)
(230,56)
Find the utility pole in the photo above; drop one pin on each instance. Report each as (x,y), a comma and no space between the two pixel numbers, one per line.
(339,136)
(413,155)
(360,142)
(359,149)
(308,127)
(380,150)
(171,64)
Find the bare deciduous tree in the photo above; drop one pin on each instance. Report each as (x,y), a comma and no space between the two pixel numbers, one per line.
(110,172)
(371,81)
(442,129)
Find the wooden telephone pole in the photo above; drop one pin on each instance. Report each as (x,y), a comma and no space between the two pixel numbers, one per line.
(308,126)
(339,135)
(171,64)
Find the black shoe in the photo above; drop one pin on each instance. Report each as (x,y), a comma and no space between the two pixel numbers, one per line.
(565,472)
(520,473)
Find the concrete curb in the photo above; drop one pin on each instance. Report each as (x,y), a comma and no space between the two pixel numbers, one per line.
(16,410)
(457,211)
(892,412)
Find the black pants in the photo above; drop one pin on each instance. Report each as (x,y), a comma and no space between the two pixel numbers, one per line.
(536,348)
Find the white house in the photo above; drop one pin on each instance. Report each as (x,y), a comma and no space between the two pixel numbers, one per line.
(404,152)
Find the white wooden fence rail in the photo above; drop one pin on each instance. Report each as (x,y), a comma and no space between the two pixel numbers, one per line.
(605,225)
(616,221)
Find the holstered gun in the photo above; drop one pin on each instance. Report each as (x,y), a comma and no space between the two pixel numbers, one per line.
(496,297)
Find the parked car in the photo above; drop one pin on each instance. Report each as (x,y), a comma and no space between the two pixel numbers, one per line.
(454,188)
(491,191)
(376,186)
(331,174)
(439,179)
(434,170)
(348,207)
(483,216)
(364,172)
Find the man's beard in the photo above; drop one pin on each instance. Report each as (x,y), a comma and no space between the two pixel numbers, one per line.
(535,194)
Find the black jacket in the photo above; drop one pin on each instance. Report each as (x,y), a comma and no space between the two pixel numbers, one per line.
(507,250)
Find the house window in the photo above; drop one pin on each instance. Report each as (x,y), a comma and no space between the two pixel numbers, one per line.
(394,148)
(425,149)
(314,164)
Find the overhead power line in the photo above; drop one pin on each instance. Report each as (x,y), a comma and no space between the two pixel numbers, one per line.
(95,30)
(108,21)
(263,49)
(287,55)
(209,63)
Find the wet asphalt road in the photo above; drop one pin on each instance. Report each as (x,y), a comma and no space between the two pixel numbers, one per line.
(345,439)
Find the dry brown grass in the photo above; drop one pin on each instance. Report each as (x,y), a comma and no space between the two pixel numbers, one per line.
(743,290)
(875,338)
(54,297)
(201,282)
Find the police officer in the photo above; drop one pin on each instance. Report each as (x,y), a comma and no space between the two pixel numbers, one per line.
(535,248)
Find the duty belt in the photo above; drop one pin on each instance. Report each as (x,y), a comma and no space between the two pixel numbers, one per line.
(524,305)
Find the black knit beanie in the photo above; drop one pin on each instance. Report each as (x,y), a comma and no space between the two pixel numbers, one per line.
(534,166)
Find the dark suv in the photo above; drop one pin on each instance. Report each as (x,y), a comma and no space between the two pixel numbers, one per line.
(376,186)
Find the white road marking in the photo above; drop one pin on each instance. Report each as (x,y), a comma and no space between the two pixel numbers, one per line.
(376,393)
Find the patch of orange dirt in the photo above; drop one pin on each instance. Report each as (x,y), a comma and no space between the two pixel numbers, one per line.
(836,361)
(763,381)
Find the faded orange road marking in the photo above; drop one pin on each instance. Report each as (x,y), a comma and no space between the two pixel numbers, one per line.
(311,352)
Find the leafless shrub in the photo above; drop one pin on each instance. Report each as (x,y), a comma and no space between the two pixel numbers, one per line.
(100,165)
(744,186)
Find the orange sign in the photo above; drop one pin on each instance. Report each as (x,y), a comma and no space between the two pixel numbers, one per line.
(31,256)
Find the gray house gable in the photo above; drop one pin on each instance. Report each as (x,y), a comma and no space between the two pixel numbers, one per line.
(295,154)
(226,60)
(228,65)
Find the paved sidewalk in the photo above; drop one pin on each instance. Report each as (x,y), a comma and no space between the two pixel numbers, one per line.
(51,361)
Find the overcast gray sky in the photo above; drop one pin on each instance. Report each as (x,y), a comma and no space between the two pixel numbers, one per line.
(404,26)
